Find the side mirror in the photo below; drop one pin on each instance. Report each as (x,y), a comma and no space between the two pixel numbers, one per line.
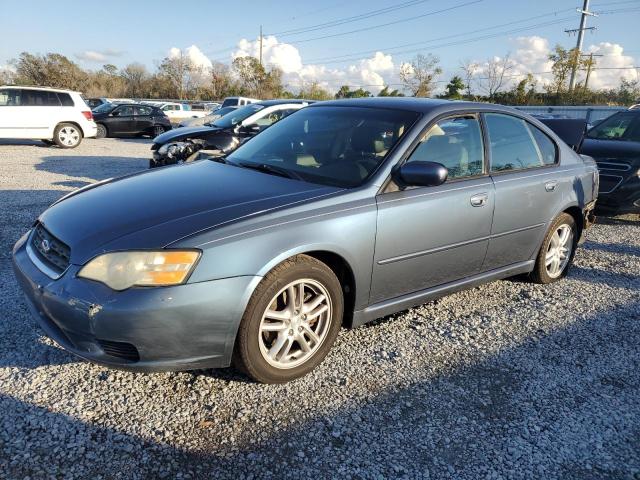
(423,174)
(115,114)
(250,129)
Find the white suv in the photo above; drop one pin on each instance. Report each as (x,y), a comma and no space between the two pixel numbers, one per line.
(48,114)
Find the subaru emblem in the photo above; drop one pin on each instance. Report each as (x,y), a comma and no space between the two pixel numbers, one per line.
(45,246)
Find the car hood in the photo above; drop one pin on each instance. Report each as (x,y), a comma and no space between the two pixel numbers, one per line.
(600,149)
(157,207)
(183,132)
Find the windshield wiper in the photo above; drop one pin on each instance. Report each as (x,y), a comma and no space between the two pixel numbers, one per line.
(271,169)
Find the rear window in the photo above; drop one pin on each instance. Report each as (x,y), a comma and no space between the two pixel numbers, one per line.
(230,102)
(65,99)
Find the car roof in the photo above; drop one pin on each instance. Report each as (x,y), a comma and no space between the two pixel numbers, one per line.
(282,101)
(34,87)
(413,104)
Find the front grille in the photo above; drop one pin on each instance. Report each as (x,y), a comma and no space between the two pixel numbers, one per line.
(122,350)
(51,251)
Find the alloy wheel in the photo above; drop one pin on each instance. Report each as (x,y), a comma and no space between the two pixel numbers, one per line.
(295,324)
(559,250)
(69,136)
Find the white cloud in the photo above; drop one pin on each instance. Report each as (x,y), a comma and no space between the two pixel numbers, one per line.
(98,56)
(611,64)
(371,73)
(194,54)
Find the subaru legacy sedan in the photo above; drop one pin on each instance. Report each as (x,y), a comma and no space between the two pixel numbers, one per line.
(343,212)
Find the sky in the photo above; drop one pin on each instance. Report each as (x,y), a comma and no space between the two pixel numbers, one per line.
(357,42)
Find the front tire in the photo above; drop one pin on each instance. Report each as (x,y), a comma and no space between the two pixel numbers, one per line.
(291,321)
(101,131)
(67,135)
(557,251)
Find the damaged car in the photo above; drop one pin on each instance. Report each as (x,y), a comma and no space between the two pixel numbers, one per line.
(223,135)
(341,213)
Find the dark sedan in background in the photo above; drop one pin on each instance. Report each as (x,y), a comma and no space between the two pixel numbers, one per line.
(341,213)
(222,136)
(615,145)
(114,120)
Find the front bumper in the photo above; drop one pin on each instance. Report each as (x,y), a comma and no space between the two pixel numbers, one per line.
(184,327)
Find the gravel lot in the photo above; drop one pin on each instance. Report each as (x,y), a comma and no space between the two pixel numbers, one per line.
(508,380)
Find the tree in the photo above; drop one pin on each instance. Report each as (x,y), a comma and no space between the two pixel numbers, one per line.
(221,84)
(314,92)
(469,69)
(346,92)
(454,87)
(136,78)
(564,61)
(51,70)
(385,92)
(419,76)
(495,73)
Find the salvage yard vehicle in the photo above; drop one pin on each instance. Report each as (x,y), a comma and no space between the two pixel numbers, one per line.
(343,212)
(615,145)
(130,119)
(238,101)
(49,114)
(223,135)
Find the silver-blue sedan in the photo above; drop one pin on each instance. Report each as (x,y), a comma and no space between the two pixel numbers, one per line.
(341,213)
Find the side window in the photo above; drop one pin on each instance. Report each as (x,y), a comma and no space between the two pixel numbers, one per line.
(546,147)
(66,100)
(456,143)
(143,111)
(271,118)
(123,112)
(512,144)
(9,97)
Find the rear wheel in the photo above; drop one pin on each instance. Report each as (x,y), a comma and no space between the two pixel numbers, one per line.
(67,135)
(102,131)
(557,251)
(158,130)
(291,322)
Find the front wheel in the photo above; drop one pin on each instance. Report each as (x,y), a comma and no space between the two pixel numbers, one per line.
(291,322)
(557,251)
(67,135)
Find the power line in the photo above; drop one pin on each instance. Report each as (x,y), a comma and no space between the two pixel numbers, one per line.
(395,22)
(354,18)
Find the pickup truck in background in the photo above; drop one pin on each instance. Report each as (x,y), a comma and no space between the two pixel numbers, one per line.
(180,111)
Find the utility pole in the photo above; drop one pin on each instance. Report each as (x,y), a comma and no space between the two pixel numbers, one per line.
(583,22)
(260,45)
(589,67)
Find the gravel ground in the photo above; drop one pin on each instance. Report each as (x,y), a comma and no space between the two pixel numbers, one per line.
(508,380)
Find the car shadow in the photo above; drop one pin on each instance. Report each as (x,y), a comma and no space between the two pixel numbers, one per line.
(630,219)
(555,404)
(31,143)
(91,167)
(598,276)
(617,248)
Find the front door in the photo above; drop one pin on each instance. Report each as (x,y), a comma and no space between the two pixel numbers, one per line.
(428,236)
(122,120)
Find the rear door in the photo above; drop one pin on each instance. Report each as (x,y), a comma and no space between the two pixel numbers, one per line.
(528,185)
(429,236)
(143,119)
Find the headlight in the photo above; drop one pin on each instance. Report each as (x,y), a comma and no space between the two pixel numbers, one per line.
(122,270)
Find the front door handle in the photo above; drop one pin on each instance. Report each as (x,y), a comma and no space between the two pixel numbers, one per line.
(479,199)
(551,185)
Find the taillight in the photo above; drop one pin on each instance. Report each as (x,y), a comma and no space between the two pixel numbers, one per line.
(88,115)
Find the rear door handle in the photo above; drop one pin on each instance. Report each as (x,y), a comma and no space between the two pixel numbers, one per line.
(479,199)
(551,185)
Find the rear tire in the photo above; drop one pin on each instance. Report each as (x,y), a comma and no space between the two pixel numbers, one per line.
(291,321)
(557,251)
(157,130)
(101,131)
(67,135)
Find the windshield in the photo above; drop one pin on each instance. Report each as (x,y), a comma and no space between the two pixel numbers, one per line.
(104,108)
(339,146)
(233,118)
(230,102)
(621,126)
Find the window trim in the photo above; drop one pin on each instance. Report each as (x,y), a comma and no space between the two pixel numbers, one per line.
(416,141)
(518,170)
